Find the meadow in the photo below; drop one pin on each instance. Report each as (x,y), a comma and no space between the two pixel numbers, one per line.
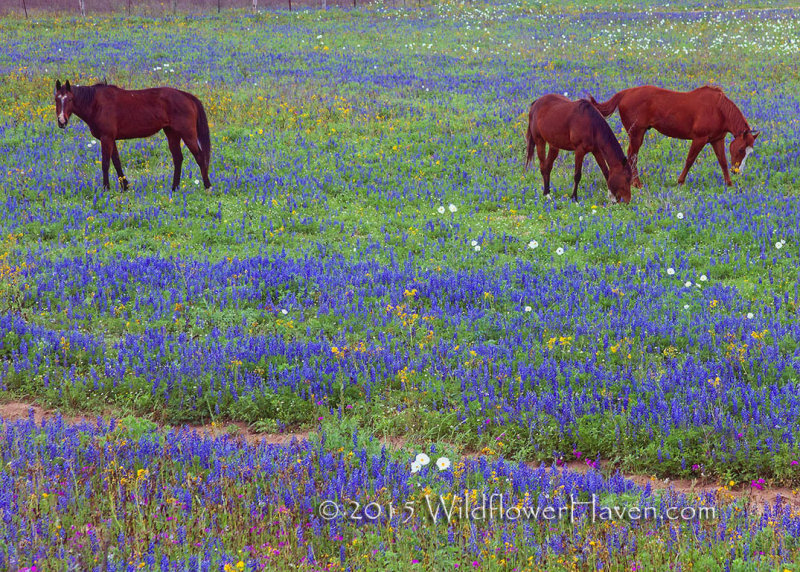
(373,271)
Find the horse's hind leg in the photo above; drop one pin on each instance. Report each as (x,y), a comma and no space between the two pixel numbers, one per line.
(694,151)
(191,143)
(546,164)
(579,154)
(635,138)
(118,167)
(541,148)
(174,141)
(106,146)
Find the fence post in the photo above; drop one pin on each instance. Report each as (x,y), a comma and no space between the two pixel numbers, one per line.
(82,4)
(24,7)
(255,6)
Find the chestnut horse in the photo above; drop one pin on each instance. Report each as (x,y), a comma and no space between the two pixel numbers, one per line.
(704,115)
(113,113)
(576,126)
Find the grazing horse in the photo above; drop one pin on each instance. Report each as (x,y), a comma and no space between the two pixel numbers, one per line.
(704,115)
(576,126)
(113,113)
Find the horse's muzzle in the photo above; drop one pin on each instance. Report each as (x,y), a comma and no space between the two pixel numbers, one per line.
(62,125)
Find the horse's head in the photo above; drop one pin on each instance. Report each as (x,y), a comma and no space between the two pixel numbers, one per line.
(619,184)
(63,103)
(741,147)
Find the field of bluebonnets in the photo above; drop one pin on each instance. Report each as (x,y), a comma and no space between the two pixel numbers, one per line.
(373,264)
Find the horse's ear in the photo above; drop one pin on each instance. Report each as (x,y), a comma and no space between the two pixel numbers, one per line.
(756,133)
(58,85)
(67,86)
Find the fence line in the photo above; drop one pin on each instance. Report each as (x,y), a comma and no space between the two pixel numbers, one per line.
(156,7)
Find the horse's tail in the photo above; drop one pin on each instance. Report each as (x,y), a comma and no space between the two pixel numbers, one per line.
(529,138)
(203,134)
(608,107)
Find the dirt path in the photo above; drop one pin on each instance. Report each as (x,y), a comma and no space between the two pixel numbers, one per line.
(15,410)
(756,498)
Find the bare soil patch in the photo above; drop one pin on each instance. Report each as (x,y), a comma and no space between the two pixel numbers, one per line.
(756,499)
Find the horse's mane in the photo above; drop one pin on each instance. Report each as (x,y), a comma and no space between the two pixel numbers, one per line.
(733,115)
(604,132)
(84,95)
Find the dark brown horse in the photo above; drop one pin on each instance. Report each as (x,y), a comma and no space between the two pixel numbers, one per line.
(576,126)
(113,113)
(704,115)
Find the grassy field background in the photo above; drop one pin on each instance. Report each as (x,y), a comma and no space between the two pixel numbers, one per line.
(374,266)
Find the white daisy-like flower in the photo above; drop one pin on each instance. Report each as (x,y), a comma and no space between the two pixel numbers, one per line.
(478,248)
(670,271)
(533,244)
(749,315)
(284,312)
(580,218)
(680,216)
(441,210)
(527,308)
(474,243)
(686,306)
(559,251)
(703,278)
(422,459)
(443,463)
(197,181)
(452,208)
(779,245)
(688,284)
(415,467)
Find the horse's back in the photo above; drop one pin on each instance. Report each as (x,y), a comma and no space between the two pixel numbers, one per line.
(551,105)
(663,96)
(564,123)
(560,109)
(136,113)
(677,114)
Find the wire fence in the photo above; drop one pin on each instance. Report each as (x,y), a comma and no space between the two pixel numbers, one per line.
(161,7)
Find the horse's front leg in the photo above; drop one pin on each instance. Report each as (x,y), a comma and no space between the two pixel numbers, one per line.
(118,166)
(719,149)
(694,151)
(579,154)
(601,163)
